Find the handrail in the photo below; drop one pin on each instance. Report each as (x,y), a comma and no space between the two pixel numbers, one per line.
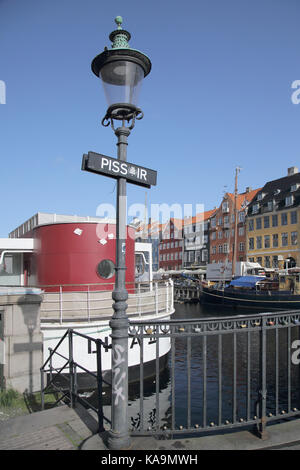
(56,347)
(73,395)
(94,305)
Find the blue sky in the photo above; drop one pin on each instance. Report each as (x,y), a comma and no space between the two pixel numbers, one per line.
(218,96)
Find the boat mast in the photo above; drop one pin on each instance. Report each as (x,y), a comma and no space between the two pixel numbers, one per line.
(237,170)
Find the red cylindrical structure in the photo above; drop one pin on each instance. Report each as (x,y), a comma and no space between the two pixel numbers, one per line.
(68,255)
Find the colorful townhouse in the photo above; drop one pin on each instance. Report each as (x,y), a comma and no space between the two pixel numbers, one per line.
(171,245)
(223,224)
(273,223)
(196,239)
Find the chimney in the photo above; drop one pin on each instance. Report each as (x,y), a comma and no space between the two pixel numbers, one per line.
(248,189)
(292,170)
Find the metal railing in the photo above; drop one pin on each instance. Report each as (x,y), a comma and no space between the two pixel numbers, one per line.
(88,302)
(63,380)
(225,372)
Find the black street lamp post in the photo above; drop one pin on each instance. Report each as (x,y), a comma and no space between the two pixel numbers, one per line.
(121,70)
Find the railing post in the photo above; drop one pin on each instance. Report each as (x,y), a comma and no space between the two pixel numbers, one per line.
(88,302)
(172,293)
(261,426)
(156,298)
(60,305)
(50,364)
(139,300)
(42,389)
(71,367)
(167,296)
(99,387)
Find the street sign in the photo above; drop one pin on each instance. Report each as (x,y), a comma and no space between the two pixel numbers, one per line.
(108,166)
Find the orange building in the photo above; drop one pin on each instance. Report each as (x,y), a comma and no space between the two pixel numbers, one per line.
(222,227)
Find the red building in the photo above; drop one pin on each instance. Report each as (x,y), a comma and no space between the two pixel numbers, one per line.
(171,246)
(222,227)
(71,251)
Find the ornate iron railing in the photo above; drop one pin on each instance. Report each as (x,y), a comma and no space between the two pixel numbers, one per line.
(224,372)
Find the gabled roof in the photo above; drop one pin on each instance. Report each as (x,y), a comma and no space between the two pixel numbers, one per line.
(244,199)
(200,217)
(277,190)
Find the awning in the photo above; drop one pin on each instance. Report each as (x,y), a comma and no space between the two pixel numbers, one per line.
(194,271)
(247,281)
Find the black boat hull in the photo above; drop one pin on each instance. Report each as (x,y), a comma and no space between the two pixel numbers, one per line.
(250,300)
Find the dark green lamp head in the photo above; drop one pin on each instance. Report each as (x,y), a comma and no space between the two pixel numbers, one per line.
(121,70)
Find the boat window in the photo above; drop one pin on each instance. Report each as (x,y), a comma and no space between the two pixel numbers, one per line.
(106,269)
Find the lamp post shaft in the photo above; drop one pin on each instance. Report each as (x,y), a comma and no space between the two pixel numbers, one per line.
(119,434)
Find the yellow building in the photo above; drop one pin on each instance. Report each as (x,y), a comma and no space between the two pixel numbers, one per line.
(273,223)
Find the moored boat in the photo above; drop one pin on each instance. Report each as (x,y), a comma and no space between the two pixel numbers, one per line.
(255,292)
(89,313)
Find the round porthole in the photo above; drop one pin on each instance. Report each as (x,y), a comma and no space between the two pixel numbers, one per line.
(106,269)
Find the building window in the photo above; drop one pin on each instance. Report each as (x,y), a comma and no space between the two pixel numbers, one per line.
(289,200)
(220,221)
(241,216)
(267,262)
(242,246)
(220,249)
(258,223)
(204,255)
(220,234)
(259,260)
(284,220)
(294,238)
(213,250)
(225,248)
(241,231)
(267,241)
(293,217)
(275,240)
(275,261)
(258,242)
(284,239)
(213,236)
(266,221)
(251,243)
(270,205)
(225,206)
(274,220)
(251,225)
(255,208)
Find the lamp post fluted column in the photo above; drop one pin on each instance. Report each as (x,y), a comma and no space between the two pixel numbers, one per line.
(119,434)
